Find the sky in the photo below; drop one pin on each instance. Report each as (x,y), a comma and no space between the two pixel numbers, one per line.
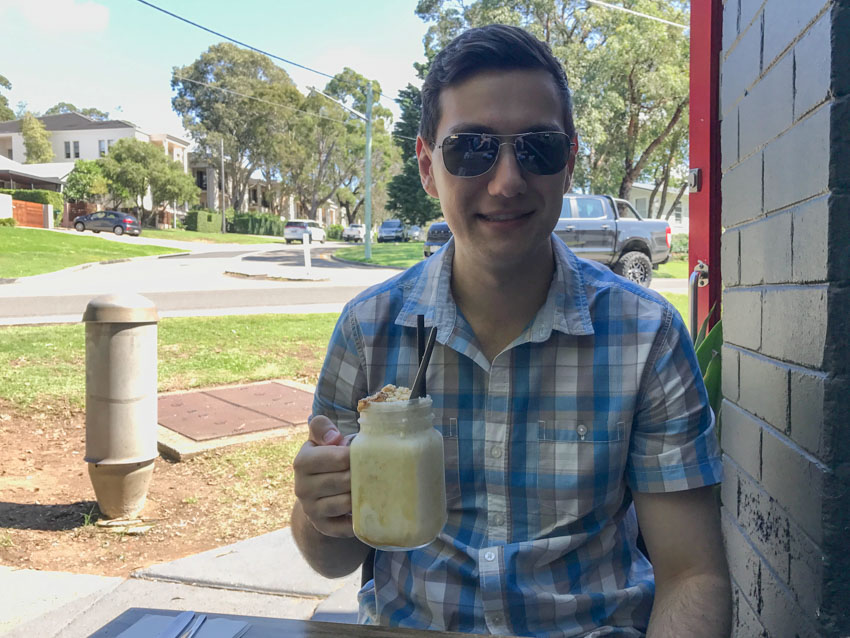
(117,55)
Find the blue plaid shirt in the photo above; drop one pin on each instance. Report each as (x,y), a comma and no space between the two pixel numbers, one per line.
(600,396)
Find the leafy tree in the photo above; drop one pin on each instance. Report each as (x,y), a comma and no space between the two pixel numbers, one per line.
(210,97)
(36,140)
(86,182)
(6,113)
(128,167)
(405,193)
(325,151)
(629,75)
(67,107)
(169,184)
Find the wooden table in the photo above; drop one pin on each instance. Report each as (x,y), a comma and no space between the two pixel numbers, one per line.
(282,628)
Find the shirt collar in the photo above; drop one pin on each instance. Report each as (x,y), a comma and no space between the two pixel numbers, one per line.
(565,309)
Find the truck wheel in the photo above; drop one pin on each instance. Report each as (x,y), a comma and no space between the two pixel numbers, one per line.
(636,267)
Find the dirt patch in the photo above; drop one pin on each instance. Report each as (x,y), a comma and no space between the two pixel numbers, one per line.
(48,510)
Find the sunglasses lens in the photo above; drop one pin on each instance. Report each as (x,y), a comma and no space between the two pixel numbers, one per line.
(543,153)
(469,154)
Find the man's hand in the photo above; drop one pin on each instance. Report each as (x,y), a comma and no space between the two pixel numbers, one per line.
(323,479)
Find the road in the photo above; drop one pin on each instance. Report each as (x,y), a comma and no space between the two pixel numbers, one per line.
(212,279)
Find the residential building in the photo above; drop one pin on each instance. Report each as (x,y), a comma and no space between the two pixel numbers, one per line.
(639,198)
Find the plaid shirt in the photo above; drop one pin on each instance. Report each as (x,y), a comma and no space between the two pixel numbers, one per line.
(601,395)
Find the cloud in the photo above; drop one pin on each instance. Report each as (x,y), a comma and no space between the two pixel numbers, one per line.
(61,16)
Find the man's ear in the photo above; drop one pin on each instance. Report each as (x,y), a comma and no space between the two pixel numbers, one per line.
(425,157)
(571,164)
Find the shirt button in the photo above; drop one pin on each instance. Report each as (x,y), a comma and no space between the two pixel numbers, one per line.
(498,519)
(489,556)
(582,430)
(495,452)
(497,620)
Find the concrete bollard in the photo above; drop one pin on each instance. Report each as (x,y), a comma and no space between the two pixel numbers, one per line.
(121,400)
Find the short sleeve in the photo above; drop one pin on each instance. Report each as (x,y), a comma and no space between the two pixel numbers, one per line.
(674,445)
(342,381)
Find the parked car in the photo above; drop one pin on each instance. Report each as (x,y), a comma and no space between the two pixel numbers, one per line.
(603,229)
(414,233)
(438,234)
(610,231)
(354,232)
(109,220)
(392,230)
(295,228)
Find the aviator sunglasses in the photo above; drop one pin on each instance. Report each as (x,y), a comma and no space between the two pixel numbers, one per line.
(473,154)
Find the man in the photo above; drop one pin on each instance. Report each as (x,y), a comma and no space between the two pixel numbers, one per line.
(569,399)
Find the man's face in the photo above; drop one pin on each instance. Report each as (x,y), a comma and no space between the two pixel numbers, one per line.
(504,217)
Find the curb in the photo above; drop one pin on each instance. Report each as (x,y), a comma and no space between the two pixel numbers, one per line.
(364,264)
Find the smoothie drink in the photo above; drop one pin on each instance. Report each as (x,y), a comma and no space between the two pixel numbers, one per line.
(398,493)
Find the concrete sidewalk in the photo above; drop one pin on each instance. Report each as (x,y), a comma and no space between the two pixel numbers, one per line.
(262,576)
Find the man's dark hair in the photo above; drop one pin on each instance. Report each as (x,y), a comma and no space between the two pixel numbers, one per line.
(494,47)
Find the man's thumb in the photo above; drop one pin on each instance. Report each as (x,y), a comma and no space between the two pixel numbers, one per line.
(324,432)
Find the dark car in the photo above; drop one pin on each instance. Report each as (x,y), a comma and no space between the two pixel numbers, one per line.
(438,234)
(109,220)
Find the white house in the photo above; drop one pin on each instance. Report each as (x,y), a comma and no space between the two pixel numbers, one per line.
(74,136)
(639,198)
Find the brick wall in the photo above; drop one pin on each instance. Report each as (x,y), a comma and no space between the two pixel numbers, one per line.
(785,258)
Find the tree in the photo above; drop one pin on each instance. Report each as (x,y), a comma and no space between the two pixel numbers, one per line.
(169,184)
(36,140)
(211,98)
(86,182)
(6,113)
(66,107)
(405,193)
(325,150)
(629,75)
(128,167)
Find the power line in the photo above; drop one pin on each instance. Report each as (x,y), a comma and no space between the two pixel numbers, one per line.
(642,15)
(279,104)
(244,44)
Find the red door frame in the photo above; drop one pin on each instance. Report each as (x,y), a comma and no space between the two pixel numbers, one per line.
(704,205)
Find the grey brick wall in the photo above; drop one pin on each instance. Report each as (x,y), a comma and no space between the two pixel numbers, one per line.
(785,259)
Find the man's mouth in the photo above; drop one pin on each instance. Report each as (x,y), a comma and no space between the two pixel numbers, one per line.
(504,217)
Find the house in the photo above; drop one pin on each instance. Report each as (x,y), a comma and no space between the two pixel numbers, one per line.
(639,198)
(49,177)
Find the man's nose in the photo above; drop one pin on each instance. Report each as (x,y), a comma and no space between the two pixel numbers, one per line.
(506,177)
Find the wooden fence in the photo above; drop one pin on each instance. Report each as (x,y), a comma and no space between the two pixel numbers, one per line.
(29,214)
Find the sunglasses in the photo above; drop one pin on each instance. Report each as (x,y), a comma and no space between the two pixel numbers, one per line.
(473,154)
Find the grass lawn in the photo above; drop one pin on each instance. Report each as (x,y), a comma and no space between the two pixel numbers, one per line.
(400,255)
(43,364)
(31,251)
(210,238)
(673,269)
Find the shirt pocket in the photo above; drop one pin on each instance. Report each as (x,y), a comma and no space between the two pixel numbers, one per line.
(451,461)
(580,465)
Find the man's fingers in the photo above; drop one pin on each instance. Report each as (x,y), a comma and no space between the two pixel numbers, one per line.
(334,506)
(317,486)
(318,459)
(324,432)
(339,527)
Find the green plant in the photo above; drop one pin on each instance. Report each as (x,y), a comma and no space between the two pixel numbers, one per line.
(334,231)
(708,347)
(6,540)
(258,224)
(679,244)
(8,221)
(90,518)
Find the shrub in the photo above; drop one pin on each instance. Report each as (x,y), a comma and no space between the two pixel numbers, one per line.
(679,244)
(334,231)
(258,224)
(205,220)
(8,221)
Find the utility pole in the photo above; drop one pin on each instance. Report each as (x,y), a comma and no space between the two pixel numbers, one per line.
(368,174)
(223,216)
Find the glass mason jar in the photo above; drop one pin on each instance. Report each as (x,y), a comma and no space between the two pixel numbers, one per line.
(398,491)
